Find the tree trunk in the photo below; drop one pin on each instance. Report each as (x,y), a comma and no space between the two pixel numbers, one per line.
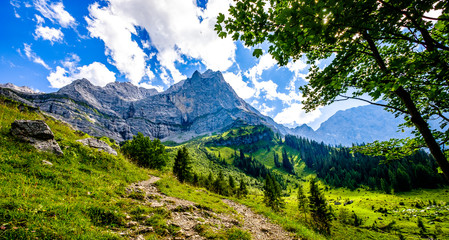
(424,129)
(415,115)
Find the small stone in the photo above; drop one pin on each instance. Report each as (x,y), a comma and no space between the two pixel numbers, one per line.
(380,218)
(98,144)
(127,217)
(139,237)
(146,230)
(45,162)
(132,224)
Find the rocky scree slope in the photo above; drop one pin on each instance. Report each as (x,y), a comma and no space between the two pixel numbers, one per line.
(202,104)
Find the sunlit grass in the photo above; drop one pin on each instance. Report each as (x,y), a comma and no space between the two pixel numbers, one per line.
(57,202)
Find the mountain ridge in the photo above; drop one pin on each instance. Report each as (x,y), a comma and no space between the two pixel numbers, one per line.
(202,104)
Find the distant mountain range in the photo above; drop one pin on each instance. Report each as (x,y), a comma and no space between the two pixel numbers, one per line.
(355,125)
(202,104)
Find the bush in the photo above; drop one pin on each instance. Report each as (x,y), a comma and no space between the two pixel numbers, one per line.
(146,153)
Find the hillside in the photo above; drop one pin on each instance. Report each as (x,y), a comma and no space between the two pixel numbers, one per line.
(88,194)
(93,195)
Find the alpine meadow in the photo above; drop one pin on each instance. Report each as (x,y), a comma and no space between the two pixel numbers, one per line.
(224,119)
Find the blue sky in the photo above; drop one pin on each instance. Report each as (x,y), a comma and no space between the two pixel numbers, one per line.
(151,43)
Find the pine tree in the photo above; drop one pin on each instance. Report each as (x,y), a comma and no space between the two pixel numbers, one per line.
(209,183)
(195,180)
(219,185)
(231,185)
(276,160)
(319,210)
(272,193)
(243,190)
(182,168)
(286,163)
(302,200)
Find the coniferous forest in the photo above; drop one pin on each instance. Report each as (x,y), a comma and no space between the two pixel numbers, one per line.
(340,167)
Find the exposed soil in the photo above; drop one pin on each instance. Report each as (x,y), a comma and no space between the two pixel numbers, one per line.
(189,217)
(259,226)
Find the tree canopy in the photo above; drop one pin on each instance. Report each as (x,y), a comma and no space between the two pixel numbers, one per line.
(147,153)
(390,50)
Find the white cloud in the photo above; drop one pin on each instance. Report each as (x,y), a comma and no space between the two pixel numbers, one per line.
(175,30)
(116,32)
(296,66)
(59,78)
(149,73)
(239,86)
(97,73)
(296,115)
(33,56)
(47,33)
(55,13)
(265,62)
(264,109)
(39,19)
(148,85)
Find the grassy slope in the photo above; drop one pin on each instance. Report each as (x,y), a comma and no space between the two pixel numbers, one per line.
(63,200)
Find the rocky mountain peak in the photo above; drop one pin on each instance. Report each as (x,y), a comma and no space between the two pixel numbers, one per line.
(23,89)
(203,103)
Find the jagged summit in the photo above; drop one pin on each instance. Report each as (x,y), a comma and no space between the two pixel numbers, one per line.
(23,89)
(204,103)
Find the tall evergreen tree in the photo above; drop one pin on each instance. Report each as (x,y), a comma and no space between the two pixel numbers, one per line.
(210,181)
(286,163)
(243,190)
(276,160)
(302,200)
(231,185)
(272,193)
(319,210)
(182,168)
(219,185)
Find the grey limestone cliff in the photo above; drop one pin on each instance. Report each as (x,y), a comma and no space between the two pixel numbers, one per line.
(202,104)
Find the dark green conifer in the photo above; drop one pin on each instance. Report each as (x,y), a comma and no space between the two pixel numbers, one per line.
(272,193)
(231,185)
(276,160)
(243,190)
(319,210)
(182,168)
(286,163)
(302,200)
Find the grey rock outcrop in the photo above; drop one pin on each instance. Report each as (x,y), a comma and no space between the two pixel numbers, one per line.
(98,144)
(202,104)
(36,132)
(24,89)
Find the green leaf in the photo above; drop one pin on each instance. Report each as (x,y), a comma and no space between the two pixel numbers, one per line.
(222,34)
(220,18)
(257,52)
